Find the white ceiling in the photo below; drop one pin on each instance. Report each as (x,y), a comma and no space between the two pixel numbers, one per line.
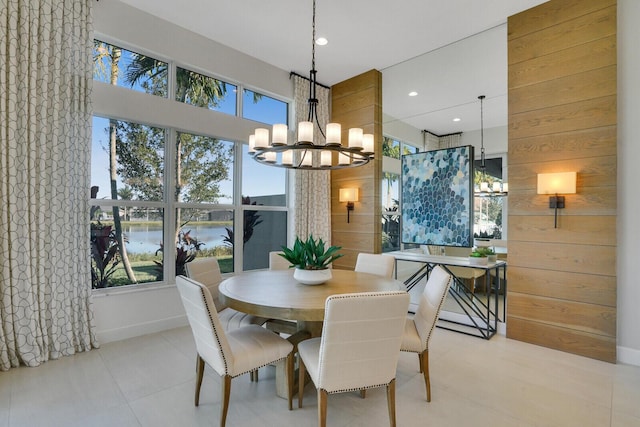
(449,51)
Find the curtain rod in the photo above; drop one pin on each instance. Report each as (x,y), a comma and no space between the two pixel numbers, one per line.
(293,73)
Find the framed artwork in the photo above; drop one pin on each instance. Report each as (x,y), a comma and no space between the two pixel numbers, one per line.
(437,197)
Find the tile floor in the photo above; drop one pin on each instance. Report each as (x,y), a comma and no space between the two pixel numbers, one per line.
(149,381)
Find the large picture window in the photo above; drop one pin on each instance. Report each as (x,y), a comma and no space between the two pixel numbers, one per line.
(163,195)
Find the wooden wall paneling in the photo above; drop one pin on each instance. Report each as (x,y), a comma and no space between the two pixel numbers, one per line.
(589,56)
(569,340)
(563,35)
(580,287)
(552,13)
(357,102)
(585,114)
(590,84)
(561,290)
(584,317)
(591,142)
(576,229)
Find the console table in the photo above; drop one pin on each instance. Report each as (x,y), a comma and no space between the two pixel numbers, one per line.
(482,317)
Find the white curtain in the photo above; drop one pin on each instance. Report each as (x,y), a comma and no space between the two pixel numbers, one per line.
(312,200)
(45,137)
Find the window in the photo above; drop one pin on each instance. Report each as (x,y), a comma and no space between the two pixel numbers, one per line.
(203,91)
(264,109)
(488,211)
(162,196)
(121,67)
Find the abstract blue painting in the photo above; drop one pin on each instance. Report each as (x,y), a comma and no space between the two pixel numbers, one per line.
(437,197)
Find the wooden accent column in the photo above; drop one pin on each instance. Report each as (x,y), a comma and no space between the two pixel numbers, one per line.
(357,102)
(562,118)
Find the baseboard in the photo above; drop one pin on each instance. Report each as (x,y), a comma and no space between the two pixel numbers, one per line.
(131,331)
(629,356)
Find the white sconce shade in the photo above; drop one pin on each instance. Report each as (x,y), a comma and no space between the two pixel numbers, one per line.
(270,156)
(334,134)
(505,187)
(305,132)
(348,195)
(252,143)
(279,134)
(261,138)
(557,183)
(484,186)
(343,159)
(355,138)
(496,186)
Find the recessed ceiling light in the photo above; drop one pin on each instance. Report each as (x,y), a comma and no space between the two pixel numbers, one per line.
(321,41)
(457,119)
(414,93)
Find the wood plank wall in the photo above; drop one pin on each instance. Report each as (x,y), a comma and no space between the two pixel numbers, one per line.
(357,102)
(562,117)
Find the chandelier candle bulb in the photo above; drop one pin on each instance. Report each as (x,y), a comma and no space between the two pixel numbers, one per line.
(279,135)
(305,132)
(343,159)
(334,134)
(252,144)
(355,138)
(367,143)
(484,186)
(307,158)
(496,186)
(287,157)
(325,158)
(505,187)
(261,138)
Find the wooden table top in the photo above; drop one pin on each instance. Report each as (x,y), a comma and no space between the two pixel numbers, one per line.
(275,294)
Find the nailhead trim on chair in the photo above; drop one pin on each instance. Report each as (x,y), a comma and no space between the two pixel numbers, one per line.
(444,296)
(213,325)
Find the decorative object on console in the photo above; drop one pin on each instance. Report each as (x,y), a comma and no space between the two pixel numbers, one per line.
(557,183)
(305,152)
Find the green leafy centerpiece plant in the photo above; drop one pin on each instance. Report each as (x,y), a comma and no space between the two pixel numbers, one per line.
(311,260)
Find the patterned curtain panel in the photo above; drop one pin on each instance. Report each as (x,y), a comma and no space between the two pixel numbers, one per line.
(312,200)
(45,126)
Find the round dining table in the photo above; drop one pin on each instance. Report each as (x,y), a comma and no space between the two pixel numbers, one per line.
(275,294)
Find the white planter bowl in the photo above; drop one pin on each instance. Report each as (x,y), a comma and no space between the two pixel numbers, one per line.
(473,260)
(312,277)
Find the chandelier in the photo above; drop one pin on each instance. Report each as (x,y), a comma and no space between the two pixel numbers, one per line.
(274,148)
(484,189)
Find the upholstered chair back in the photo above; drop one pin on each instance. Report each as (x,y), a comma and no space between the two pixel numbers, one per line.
(431,301)
(276,262)
(211,341)
(360,342)
(379,264)
(207,271)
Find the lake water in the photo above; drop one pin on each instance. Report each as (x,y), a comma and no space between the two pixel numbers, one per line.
(147,238)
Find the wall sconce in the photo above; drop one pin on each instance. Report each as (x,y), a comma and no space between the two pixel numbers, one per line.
(348,195)
(557,183)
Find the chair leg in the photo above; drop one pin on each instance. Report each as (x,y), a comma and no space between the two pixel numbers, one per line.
(199,375)
(425,372)
(420,362)
(363,393)
(301,375)
(226,392)
(322,408)
(290,379)
(391,402)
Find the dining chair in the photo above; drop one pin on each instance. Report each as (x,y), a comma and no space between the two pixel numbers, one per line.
(276,262)
(379,264)
(468,275)
(419,328)
(206,270)
(359,347)
(281,326)
(231,353)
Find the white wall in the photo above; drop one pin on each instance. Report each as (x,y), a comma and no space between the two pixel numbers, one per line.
(138,310)
(628,178)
